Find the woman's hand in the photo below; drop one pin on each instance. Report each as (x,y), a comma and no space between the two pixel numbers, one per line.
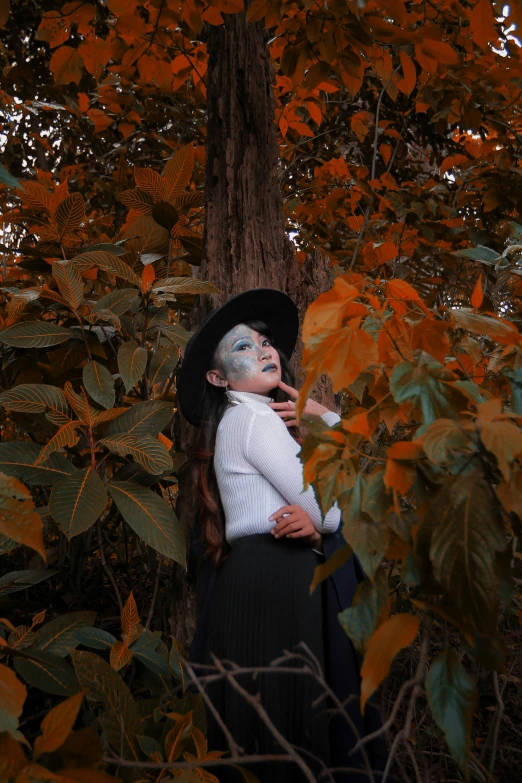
(286,410)
(294,522)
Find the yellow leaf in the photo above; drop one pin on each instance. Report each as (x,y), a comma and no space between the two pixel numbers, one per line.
(18,519)
(394,634)
(57,725)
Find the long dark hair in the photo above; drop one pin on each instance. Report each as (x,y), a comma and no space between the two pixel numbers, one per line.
(213,406)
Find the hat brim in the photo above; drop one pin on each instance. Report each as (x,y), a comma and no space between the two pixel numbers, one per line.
(273,307)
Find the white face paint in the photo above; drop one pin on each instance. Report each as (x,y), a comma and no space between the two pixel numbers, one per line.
(248,361)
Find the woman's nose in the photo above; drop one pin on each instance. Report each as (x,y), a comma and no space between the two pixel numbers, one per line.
(265,353)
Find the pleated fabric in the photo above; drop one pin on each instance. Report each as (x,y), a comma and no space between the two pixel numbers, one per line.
(262,606)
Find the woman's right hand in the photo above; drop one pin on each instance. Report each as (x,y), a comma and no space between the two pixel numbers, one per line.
(286,410)
(294,522)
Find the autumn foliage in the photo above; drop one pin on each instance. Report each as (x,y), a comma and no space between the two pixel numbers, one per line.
(400,141)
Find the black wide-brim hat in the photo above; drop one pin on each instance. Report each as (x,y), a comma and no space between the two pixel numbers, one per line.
(274,308)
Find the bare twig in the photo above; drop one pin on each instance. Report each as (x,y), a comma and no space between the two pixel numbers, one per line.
(232,746)
(263,714)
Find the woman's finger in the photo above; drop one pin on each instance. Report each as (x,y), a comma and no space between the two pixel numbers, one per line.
(283,524)
(288,389)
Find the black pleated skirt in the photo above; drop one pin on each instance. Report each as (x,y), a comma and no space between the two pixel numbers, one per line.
(261,606)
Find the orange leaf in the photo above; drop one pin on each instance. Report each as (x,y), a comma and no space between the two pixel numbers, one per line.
(440,51)
(407,84)
(431,336)
(5,8)
(360,124)
(96,53)
(390,637)
(120,655)
(101,120)
(395,9)
(400,472)
(57,725)
(147,277)
(83,102)
(18,518)
(229,6)
(328,310)
(130,620)
(451,161)
(67,65)
(399,291)
(482,24)
(314,111)
(166,441)
(342,354)
(477,295)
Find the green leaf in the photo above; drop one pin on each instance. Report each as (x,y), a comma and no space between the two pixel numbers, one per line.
(77,501)
(162,366)
(21,580)
(118,302)
(360,619)
(8,179)
(116,250)
(515,381)
(37,398)
(121,721)
(47,672)
(144,418)
(34,334)
(151,517)
(145,450)
(58,636)
(144,650)
(7,544)
(109,263)
(479,253)
(70,282)
(423,386)
(95,637)
(176,334)
(17,459)
(12,697)
(184,285)
(452,696)
(463,532)
(132,361)
(99,383)
(149,746)
(368,539)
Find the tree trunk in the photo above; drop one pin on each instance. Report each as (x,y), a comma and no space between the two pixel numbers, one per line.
(246,244)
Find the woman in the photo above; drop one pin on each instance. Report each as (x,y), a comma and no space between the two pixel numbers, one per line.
(265,537)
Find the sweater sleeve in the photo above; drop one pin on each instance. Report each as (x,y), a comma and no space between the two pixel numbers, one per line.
(273,452)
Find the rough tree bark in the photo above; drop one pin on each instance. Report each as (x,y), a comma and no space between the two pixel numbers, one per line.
(246,244)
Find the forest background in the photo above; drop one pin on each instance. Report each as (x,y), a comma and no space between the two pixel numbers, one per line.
(157,157)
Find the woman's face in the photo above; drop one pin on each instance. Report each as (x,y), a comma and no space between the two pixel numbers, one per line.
(246,361)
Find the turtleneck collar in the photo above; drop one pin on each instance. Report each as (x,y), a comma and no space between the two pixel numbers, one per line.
(243,396)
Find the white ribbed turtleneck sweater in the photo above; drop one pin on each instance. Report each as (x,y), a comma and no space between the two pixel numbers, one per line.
(258,470)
